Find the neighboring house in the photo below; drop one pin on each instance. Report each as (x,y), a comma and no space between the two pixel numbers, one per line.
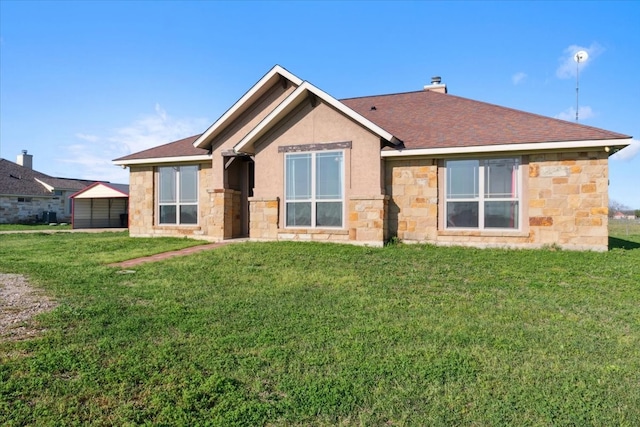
(30,196)
(622,215)
(288,161)
(101,205)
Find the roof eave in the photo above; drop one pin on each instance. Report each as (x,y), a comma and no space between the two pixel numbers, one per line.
(161,160)
(532,146)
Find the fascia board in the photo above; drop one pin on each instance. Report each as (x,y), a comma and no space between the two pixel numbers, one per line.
(159,160)
(281,110)
(237,108)
(292,101)
(534,146)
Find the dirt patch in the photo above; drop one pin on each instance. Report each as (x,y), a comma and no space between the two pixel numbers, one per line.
(19,302)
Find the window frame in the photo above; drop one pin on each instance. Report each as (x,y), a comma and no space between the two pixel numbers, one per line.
(313,199)
(482,197)
(177,191)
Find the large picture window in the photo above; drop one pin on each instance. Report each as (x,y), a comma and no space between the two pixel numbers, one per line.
(178,194)
(483,194)
(314,189)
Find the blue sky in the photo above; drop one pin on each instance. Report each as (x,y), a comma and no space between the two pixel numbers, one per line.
(82,83)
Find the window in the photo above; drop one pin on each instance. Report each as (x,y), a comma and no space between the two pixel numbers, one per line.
(24,199)
(314,189)
(178,194)
(483,194)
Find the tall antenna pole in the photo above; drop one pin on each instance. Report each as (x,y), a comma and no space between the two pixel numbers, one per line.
(577,87)
(579,57)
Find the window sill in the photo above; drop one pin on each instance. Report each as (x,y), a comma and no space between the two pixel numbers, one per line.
(177,227)
(484,233)
(313,231)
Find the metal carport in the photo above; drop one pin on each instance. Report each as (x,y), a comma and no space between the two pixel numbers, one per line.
(101,205)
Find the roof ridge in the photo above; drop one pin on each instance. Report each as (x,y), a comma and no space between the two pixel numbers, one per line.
(384,94)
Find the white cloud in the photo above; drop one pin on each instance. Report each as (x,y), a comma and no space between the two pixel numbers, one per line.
(569,114)
(518,78)
(567,67)
(94,161)
(155,129)
(86,137)
(628,152)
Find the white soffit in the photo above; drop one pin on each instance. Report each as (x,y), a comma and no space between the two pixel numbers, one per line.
(153,161)
(256,91)
(293,101)
(532,146)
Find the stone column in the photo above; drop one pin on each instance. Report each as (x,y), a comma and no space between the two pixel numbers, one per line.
(367,218)
(264,217)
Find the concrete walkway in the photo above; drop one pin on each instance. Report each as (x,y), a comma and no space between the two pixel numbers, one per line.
(165,255)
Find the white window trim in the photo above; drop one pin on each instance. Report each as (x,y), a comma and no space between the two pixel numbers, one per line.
(313,199)
(177,203)
(481,199)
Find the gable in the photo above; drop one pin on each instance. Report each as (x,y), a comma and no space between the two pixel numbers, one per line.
(253,105)
(306,92)
(103,191)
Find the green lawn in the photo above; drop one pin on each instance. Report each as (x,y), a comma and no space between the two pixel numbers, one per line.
(320,334)
(33,227)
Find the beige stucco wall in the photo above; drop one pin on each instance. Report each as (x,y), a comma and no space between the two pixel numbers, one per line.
(565,199)
(363,173)
(322,124)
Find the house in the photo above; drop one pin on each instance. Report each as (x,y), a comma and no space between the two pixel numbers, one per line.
(101,205)
(29,196)
(622,215)
(288,161)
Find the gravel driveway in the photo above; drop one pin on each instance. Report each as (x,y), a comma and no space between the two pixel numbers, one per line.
(19,302)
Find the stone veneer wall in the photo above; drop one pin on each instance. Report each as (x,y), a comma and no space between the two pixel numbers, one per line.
(141,212)
(367,219)
(263,217)
(12,211)
(565,203)
(568,199)
(366,223)
(223,219)
(413,206)
(142,206)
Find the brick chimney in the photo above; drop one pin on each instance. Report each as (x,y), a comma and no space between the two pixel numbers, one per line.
(25,160)
(436,86)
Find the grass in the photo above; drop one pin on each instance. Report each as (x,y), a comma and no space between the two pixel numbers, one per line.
(624,227)
(33,227)
(318,334)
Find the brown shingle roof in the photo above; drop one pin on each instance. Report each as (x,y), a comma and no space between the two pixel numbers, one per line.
(21,181)
(183,147)
(428,119)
